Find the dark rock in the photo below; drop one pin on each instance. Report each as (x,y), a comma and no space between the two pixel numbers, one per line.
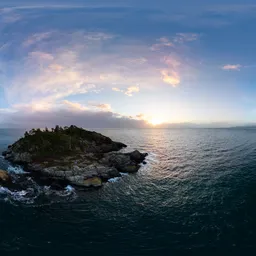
(132,168)
(107,173)
(137,156)
(56,186)
(7,152)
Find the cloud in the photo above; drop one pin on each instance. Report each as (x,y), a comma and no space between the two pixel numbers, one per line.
(41,56)
(141,116)
(162,42)
(43,81)
(6,110)
(115,89)
(100,106)
(36,38)
(74,105)
(8,16)
(56,67)
(171,61)
(97,36)
(236,67)
(186,37)
(170,77)
(175,41)
(65,112)
(128,91)
(66,116)
(136,61)
(12,18)
(4,46)
(78,62)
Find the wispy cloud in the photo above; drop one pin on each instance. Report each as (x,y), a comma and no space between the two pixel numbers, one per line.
(74,105)
(12,18)
(186,37)
(136,61)
(36,38)
(100,106)
(97,36)
(4,46)
(162,42)
(236,67)
(176,40)
(132,89)
(56,67)
(41,56)
(171,75)
(128,91)
(171,61)
(42,80)
(8,16)
(48,6)
(115,89)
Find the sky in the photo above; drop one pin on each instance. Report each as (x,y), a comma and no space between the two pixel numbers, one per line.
(127,64)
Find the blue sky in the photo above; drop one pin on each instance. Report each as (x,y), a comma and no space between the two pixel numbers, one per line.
(127,63)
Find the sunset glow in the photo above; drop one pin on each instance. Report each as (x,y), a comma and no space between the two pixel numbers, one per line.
(156,121)
(61,64)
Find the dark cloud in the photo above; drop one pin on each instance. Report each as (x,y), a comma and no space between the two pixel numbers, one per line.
(88,119)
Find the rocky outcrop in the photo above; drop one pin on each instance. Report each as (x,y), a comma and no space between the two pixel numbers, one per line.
(72,155)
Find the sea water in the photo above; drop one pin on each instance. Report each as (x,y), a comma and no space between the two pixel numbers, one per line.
(197,193)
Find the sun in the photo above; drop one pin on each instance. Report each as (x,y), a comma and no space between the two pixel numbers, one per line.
(155,121)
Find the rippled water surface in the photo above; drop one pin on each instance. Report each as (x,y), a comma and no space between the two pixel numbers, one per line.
(197,193)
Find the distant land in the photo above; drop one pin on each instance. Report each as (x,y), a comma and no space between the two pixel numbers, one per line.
(160,126)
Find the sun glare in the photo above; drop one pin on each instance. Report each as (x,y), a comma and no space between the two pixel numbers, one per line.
(156,121)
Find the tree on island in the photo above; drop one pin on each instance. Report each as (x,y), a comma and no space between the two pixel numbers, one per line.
(59,140)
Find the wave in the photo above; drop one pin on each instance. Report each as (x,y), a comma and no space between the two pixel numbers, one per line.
(15,169)
(152,157)
(36,195)
(30,192)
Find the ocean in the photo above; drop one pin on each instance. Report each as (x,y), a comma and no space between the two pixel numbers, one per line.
(196,194)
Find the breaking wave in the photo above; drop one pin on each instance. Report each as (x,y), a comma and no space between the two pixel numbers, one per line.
(31,192)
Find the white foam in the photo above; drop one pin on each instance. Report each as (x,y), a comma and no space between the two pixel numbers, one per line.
(4,190)
(16,169)
(152,157)
(68,191)
(114,179)
(69,188)
(124,174)
(20,196)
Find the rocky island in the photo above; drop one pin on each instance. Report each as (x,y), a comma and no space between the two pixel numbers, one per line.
(70,155)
